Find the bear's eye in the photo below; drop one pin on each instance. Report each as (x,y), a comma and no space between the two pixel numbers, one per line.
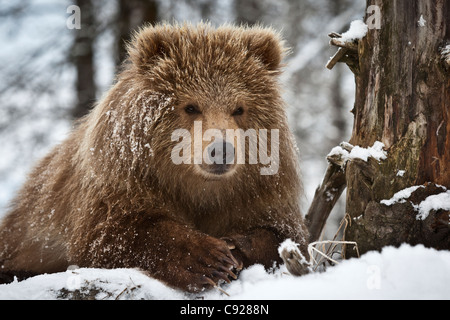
(238,112)
(191,109)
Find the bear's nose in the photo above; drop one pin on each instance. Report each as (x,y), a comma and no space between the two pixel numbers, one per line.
(221,153)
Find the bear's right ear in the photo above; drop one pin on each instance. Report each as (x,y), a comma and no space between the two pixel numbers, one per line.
(146,46)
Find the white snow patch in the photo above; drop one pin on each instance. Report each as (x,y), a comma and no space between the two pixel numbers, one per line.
(401,173)
(403,273)
(446,55)
(291,246)
(358,30)
(118,283)
(287,245)
(401,196)
(376,152)
(435,202)
(422,22)
(338,151)
(446,50)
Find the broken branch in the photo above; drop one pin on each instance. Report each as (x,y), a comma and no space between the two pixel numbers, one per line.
(347,52)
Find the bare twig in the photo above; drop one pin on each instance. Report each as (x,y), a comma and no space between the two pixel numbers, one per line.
(347,52)
(340,54)
(223,291)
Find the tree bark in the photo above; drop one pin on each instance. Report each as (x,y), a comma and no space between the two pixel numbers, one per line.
(402,100)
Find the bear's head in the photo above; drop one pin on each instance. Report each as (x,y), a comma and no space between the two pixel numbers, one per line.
(197,113)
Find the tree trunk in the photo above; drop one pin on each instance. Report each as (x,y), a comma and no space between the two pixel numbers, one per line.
(402,100)
(131,15)
(248,12)
(83,59)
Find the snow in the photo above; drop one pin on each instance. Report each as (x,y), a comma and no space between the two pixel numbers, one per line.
(446,54)
(401,173)
(358,30)
(434,202)
(422,22)
(338,151)
(376,152)
(290,246)
(446,50)
(128,283)
(401,196)
(395,273)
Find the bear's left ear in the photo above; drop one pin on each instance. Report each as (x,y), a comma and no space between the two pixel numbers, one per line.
(267,46)
(147,45)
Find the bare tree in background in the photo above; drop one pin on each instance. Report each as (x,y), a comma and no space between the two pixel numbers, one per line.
(337,96)
(249,12)
(131,15)
(205,7)
(82,57)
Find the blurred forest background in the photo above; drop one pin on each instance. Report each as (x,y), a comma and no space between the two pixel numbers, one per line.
(51,75)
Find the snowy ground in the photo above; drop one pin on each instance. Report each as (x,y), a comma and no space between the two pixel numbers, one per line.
(404,273)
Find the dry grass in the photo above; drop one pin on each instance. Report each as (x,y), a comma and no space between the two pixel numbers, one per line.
(323,252)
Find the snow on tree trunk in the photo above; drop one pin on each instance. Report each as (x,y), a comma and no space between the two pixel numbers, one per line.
(403,101)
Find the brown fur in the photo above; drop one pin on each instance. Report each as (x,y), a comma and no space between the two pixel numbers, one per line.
(110,196)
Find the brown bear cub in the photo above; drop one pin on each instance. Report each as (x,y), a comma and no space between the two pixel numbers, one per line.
(115,194)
